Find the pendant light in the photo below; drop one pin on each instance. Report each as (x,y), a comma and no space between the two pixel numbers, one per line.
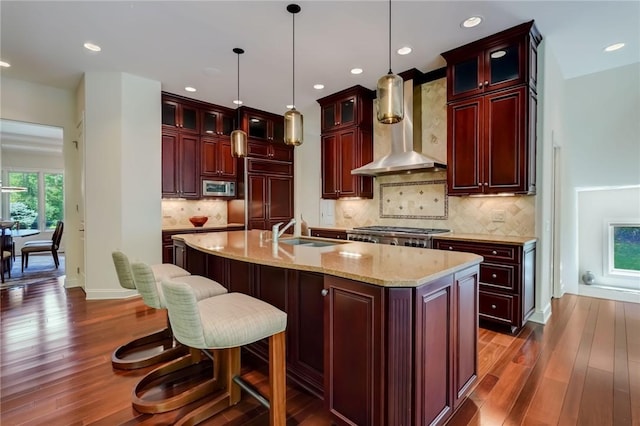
(293,118)
(238,136)
(389,92)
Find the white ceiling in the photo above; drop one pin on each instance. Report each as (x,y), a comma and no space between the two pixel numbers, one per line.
(190,43)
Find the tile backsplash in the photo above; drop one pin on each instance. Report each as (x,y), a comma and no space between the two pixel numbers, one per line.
(396,203)
(177,212)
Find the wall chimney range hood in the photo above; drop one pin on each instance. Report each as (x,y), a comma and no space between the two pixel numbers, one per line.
(406,142)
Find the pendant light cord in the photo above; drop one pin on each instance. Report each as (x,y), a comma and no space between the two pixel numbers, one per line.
(293,84)
(390,72)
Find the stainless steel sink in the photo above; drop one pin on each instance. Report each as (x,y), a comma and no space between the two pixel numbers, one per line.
(308,243)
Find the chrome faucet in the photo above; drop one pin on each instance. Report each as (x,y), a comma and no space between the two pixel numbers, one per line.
(276,232)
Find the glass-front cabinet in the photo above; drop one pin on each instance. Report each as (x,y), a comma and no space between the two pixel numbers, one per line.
(496,67)
(180,115)
(340,113)
(217,122)
(263,125)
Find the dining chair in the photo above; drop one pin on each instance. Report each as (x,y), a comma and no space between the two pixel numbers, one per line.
(5,249)
(39,246)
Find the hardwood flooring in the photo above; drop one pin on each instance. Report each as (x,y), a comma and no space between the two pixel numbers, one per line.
(582,368)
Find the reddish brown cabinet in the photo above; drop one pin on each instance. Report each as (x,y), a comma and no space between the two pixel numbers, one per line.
(346,142)
(180,114)
(507,279)
(491,114)
(216,158)
(217,121)
(262,125)
(269,193)
(180,164)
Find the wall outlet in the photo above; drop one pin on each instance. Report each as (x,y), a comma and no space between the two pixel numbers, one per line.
(498,215)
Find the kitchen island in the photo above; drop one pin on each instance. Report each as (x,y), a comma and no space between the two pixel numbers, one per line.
(385,335)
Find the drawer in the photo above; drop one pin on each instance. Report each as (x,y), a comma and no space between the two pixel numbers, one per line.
(496,252)
(329,233)
(498,276)
(496,307)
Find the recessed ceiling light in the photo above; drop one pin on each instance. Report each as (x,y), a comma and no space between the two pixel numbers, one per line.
(614,47)
(5,64)
(471,22)
(356,71)
(318,86)
(237,101)
(190,89)
(92,47)
(404,50)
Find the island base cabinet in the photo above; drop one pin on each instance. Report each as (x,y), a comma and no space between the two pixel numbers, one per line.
(353,349)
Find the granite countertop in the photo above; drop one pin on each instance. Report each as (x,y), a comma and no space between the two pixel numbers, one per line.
(486,238)
(379,264)
(205,227)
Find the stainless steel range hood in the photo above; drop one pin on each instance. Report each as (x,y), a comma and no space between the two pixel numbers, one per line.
(406,142)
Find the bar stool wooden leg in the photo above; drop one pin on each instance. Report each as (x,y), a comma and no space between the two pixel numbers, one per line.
(277,380)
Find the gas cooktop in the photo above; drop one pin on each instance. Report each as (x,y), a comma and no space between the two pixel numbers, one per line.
(399,230)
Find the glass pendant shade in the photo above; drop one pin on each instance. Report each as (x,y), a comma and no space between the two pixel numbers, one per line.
(390,99)
(239,144)
(293,127)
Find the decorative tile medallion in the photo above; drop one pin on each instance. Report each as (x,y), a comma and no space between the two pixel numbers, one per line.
(414,200)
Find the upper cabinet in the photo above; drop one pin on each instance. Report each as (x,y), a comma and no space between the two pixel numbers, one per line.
(180,114)
(346,142)
(263,125)
(351,107)
(492,113)
(216,158)
(500,61)
(218,122)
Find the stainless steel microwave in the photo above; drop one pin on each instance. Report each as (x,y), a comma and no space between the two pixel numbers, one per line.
(218,188)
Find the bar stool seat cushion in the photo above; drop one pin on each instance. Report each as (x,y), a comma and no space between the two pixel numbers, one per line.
(226,321)
(164,271)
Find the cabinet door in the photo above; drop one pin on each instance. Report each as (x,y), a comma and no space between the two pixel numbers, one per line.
(280,201)
(466,336)
(465,76)
(227,164)
(505,167)
(209,157)
(504,65)
(306,323)
(170,145)
(189,173)
(257,194)
(217,123)
(280,151)
(464,147)
(434,352)
(330,166)
(347,155)
(353,351)
(341,113)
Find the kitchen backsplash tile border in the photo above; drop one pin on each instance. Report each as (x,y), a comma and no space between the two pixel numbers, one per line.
(412,202)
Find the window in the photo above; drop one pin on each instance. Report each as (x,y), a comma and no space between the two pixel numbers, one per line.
(624,248)
(41,206)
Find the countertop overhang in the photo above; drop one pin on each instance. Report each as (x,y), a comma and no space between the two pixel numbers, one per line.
(379,264)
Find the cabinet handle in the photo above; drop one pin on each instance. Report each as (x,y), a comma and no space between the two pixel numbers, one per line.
(486,83)
(493,306)
(336,123)
(324,292)
(450,248)
(480,85)
(486,184)
(494,252)
(494,276)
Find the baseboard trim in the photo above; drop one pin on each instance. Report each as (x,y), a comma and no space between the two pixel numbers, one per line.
(110,294)
(542,316)
(601,292)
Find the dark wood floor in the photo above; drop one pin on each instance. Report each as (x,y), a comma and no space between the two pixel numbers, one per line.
(582,368)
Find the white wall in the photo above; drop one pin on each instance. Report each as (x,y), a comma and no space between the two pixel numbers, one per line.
(550,129)
(122,176)
(307,174)
(35,103)
(602,149)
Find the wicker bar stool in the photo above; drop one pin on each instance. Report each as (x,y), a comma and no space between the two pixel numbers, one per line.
(220,326)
